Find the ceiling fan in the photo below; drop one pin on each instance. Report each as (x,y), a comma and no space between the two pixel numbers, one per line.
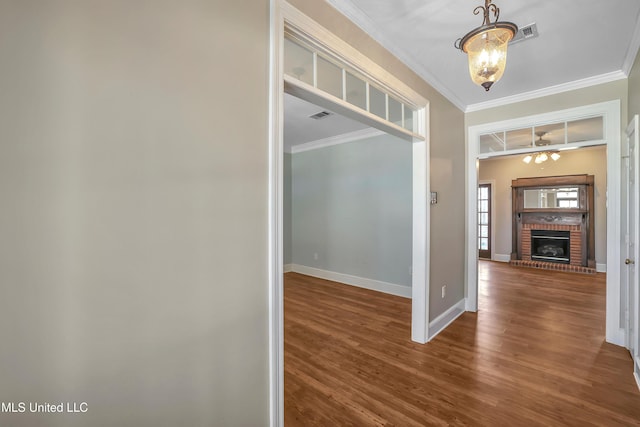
(541,142)
(541,156)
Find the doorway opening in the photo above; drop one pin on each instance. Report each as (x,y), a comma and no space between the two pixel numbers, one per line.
(347,200)
(480,151)
(335,53)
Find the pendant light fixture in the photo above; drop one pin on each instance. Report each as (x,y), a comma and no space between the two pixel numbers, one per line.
(486,46)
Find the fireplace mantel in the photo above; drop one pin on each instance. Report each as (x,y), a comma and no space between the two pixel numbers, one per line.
(576,219)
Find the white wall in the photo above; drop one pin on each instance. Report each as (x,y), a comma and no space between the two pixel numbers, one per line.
(352,209)
(133,231)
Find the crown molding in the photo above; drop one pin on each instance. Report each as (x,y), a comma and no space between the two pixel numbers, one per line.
(551,90)
(335,140)
(361,20)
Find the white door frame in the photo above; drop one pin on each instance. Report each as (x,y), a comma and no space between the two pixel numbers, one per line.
(610,111)
(284,15)
(632,314)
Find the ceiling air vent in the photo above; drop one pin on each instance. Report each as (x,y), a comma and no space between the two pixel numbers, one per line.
(527,32)
(320,115)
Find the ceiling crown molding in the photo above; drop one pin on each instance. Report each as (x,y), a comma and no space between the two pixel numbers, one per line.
(335,140)
(547,91)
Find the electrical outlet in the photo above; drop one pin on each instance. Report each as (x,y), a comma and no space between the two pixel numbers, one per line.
(444,290)
(315,256)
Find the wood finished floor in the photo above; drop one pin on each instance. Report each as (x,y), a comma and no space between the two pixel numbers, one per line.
(533,355)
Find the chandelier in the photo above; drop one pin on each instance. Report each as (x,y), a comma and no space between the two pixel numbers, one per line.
(541,157)
(486,46)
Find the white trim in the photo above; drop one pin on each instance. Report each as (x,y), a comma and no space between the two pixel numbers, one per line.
(502,257)
(420,238)
(471,222)
(306,29)
(348,279)
(601,267)
(611,113)
(440,323)
(637,377)
(559,147)
(288,268)
(614,334)
(630,248)
(632,51)
(275,233)
(337,105)
(547,91)
(336,140)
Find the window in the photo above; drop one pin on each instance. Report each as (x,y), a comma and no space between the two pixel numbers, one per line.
(320,71)
(484,221)
(552,135)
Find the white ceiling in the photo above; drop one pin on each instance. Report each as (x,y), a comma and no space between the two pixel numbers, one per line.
(580,43)
(300,128)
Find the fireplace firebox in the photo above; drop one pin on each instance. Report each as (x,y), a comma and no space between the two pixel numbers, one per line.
(551,246)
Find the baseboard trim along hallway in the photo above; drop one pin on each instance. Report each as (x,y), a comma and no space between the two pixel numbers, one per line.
(347,279)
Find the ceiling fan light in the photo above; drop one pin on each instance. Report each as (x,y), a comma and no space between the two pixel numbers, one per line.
(527,159)
(555,156)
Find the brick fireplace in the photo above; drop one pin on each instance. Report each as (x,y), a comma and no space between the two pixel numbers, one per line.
(555,238)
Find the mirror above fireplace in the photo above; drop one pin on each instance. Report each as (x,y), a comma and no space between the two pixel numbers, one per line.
(551,198)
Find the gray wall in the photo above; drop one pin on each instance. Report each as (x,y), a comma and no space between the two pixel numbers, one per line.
(133,231)
(447,167)
(502,170)
(352,209)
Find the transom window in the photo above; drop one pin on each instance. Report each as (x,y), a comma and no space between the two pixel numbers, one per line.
(553,135)
(322,72)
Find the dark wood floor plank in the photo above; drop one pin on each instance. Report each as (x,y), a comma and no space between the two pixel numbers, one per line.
(534,354)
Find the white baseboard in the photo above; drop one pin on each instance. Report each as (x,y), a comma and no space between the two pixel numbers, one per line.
(288,268)
(636,370)
(438,324)
(616,336)
(601,268)
(361,282)
(502,257)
